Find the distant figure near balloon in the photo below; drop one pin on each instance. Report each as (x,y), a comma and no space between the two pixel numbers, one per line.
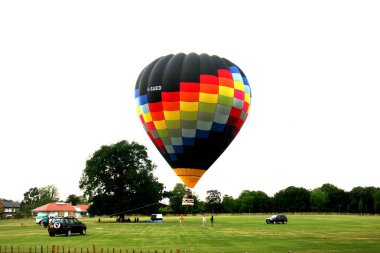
(192,107)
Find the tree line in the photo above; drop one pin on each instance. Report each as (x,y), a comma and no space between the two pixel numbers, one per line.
(118,180)
(327,198)
(39,196)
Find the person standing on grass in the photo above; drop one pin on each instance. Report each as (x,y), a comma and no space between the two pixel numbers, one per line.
(181,219)
(204,220)
(46,221)
(212,220)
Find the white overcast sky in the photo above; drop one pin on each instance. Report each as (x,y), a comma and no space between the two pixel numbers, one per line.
(68,71)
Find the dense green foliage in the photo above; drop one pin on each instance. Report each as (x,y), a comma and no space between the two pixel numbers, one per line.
(75,200)
(119,178)
(327,198)
(213,201)
(240,233)
(36,197)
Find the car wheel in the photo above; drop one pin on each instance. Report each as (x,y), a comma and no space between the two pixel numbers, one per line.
(68,233)
(83,232)
(51,233)
(285,222)
(268,221)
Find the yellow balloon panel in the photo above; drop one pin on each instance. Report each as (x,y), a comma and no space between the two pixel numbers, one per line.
(189,177)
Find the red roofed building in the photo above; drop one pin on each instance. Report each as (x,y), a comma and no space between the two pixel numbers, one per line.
(81,210)
(61,209)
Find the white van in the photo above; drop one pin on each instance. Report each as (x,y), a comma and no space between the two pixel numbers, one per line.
(156,217)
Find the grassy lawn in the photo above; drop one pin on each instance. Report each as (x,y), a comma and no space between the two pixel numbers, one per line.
(303,233)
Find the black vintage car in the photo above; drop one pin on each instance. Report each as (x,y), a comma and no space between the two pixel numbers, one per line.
(67,226)
(278,218)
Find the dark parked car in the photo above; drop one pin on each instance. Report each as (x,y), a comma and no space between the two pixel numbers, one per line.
(67,226)
(278,218)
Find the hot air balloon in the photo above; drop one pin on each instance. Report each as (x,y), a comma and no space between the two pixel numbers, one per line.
(192,107)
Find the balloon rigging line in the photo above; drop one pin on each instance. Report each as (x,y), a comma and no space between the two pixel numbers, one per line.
(135,209)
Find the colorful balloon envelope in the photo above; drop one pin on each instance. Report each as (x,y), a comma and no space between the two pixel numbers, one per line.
(192,107)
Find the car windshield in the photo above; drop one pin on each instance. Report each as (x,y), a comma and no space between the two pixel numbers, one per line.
(274,216)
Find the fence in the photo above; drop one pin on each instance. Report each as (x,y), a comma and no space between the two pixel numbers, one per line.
(62,249)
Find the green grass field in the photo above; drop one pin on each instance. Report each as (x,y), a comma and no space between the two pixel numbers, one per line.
(303,233)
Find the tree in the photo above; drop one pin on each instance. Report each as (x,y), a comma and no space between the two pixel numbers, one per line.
(262,202)
(355,195)
(292,199)
(363,199)
(213,201)
(376,200)
(199,206)
(74,199)
(48,194)
(254,201)
(119,178)
(336,198)
(1,206)
(318,200)
(32,196)
(31,200)
(246,201)
(35,197)
(370,199)
(175,200)
(229,204)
